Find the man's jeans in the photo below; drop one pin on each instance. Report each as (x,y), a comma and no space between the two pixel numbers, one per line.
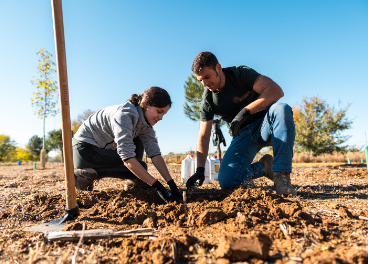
(276,129)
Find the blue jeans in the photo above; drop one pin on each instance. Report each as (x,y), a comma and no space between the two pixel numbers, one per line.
(276,129)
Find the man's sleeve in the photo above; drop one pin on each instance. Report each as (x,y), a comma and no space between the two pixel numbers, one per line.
(206,108)
(248,76)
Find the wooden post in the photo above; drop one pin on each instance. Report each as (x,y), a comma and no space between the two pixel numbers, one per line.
(219,153)
(57,13)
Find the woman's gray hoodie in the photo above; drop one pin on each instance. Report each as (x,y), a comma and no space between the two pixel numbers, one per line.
(119,124)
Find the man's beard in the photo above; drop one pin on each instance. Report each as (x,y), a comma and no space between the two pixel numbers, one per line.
(219,84)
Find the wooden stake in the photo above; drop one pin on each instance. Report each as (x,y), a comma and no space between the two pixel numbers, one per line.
(97,234)
(64,103)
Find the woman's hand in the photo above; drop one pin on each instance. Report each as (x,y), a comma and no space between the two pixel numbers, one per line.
(175,191)
(163,192)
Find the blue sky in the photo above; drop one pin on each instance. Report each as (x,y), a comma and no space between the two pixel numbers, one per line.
(116,48)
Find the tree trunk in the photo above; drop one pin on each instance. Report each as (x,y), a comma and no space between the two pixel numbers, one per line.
(43,158)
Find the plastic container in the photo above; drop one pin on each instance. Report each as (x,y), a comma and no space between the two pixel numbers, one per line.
(19,162)
(186,166)
(193,166)
(207,171)
(214,168)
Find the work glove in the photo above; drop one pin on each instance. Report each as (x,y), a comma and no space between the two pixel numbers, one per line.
(198,176)
(163,192)
(175,191)
(238,120)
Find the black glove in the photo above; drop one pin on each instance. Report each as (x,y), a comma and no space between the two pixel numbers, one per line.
(238,120)
(163,192)
(175,191)
(198,176)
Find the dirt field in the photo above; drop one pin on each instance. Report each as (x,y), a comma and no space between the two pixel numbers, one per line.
(251,224)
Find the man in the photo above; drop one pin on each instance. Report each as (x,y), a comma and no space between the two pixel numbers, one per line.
(247,101)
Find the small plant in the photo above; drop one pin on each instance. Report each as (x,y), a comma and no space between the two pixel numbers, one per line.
(159,213)
(79,202)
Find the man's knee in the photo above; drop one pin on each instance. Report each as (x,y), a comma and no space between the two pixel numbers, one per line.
(225,183)
(283,109)
(283,112)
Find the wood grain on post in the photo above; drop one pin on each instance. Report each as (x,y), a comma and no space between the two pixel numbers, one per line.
(57,13)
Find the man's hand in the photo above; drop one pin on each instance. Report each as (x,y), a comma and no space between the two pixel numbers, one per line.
(198,176)
(178,196)
(238,120)
(163,192)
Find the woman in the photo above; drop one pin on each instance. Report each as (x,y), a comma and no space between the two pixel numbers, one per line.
(110,143)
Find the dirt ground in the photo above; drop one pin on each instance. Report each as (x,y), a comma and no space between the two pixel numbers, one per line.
(325,223)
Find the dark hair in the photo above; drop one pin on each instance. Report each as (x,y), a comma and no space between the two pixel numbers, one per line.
(153,96)
(204,59)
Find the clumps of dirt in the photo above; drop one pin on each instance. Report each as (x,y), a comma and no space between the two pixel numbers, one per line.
(345,213)
(214,226)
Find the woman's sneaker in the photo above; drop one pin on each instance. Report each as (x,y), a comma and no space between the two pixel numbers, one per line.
(133,183)
(85,178)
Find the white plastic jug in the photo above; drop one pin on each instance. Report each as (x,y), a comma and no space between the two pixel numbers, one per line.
(193,164)
(186,166)
(207,171)
(214,168)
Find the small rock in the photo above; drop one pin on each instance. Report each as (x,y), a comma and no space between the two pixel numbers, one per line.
(211,216)
(244,247)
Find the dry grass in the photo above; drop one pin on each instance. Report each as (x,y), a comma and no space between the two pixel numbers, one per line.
(336,157)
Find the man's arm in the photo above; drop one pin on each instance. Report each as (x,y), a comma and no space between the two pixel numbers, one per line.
(270,92)
(203,142)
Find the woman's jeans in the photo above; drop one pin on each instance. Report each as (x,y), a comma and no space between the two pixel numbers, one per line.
(106,162)
(276,129)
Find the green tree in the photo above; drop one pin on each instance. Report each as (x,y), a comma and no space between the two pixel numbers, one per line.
(319,127)
(54,141)
(76,123)
(34,145)
(7,146)
(193,96)
(46,97)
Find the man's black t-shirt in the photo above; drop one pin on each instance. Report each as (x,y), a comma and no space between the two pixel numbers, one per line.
(237,93)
